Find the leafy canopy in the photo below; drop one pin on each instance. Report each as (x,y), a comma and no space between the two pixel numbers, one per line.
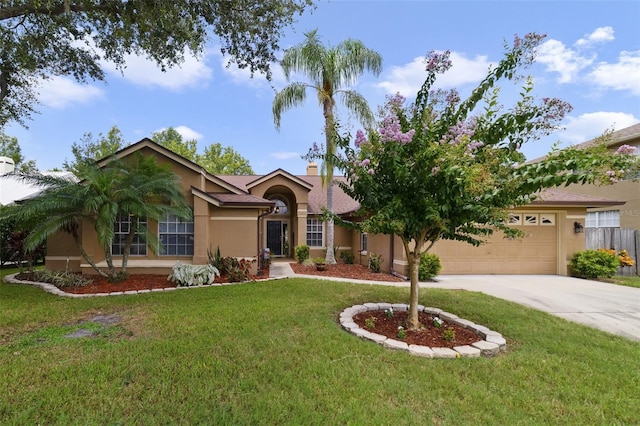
(39,39)
(217,160)
(9,147)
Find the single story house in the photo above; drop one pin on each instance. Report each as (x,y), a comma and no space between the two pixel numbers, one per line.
(243,215)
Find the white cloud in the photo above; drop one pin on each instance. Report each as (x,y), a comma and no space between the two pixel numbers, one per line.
(600,35)
(567,62)
(285,155)
(60,92)
(408,79)
(187,133)
(588,126)
(623,75)
(139,70)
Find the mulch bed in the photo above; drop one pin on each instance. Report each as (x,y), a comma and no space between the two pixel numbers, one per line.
(427,335)
(342,270)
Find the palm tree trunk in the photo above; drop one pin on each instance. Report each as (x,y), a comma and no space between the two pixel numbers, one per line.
(84,254)
(330,149)
(133,228)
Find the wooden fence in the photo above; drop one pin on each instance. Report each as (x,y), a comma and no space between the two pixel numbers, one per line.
(618,239)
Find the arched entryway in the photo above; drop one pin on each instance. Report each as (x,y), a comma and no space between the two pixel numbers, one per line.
(278,227)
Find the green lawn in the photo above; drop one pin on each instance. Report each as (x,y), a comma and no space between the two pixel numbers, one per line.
(626,281)
(273,353)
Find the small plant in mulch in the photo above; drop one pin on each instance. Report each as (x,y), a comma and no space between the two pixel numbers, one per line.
(401,332)
(449,334)
(437,322)
(370,323)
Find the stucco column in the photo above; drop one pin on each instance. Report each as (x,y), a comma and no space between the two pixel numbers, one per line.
(200,231)
(301,229)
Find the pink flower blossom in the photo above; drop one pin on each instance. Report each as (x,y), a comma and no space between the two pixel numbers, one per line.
(626,150)
(360,138)
(371,172)
(438,62)
(391,131)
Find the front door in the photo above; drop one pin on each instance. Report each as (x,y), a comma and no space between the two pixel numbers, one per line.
(278,237)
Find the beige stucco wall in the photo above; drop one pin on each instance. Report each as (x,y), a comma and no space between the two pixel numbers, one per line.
(628,191)
(235,231)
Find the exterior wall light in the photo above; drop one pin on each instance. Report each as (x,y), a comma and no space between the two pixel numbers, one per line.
(578,228)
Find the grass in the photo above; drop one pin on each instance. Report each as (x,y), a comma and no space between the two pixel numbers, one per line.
(273,353)
(626,281)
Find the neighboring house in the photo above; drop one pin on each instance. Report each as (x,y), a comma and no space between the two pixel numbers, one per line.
(13,189)
(242,215)
(623,216)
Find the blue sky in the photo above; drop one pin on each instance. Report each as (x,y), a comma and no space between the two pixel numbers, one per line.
(591,59)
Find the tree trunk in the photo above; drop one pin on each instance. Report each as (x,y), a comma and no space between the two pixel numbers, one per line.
(84,254)
(330,258)
(133,228)
(415,287)
(330,149)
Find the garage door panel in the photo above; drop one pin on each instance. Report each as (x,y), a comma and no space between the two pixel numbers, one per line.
(536,253)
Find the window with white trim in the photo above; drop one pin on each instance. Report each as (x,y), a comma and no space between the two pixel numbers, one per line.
(176,236)
(314,232)
(605,219)
(121,231)
(363,242)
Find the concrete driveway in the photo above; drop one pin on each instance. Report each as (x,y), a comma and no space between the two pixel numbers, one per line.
(608,307)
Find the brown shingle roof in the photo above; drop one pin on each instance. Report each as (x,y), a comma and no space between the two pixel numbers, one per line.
(342,203)
(551,196)
(619,137)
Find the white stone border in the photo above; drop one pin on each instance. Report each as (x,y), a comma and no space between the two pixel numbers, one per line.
(50,288)
(492,344)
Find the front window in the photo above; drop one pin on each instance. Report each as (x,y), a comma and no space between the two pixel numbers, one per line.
(176,236)
(363,242)
(314,232)
(121,231)
(605,219)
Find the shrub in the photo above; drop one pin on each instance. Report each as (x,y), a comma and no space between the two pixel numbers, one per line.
(239,270)
(319,260)
(430,266)
(59,278)
(184,275)
(594,264)
(302,253)
(374,262)
(347,257)
(215,259)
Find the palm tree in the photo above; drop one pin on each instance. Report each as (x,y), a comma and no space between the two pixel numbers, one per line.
(330,71)
(138,187)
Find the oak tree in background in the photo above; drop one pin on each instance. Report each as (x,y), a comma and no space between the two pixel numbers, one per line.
(88,150)
(39,39)
(442,168)
(330,70)
(9,147)
(217,160)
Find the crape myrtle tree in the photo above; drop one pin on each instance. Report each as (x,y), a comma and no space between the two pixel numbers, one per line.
(442,168)
(137,187)
(330,70)
(40,39)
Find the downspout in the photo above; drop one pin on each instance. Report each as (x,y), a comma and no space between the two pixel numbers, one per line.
(392,255)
